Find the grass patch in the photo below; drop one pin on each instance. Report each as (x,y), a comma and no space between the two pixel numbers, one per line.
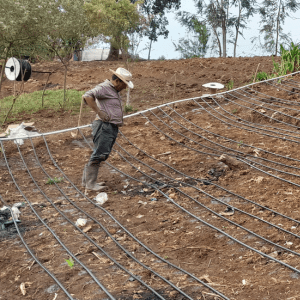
(129,108)
(31,103)
(55,180)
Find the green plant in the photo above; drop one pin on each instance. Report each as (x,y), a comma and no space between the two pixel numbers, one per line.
(32,103)
(55,180)
(166,257)
(289,62)
(70,262)
(129,108)
(234,111)
(229,85)
(240,143)
(261,76)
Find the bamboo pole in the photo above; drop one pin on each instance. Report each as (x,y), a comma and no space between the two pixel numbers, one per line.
(256,73)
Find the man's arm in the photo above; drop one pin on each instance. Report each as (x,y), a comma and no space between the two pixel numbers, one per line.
(90,101)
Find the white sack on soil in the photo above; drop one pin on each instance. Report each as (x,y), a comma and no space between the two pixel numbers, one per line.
(101,198)
(81,222)
(20,132)
(16,213)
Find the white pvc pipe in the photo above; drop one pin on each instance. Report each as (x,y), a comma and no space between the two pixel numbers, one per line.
(152,108)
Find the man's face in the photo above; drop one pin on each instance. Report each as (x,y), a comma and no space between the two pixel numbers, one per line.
(120,85)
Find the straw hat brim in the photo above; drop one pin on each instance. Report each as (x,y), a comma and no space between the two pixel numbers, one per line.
(129,83)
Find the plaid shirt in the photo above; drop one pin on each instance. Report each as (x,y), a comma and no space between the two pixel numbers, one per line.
(108,100)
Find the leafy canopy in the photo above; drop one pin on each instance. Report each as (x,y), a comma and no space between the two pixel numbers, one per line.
(113,20)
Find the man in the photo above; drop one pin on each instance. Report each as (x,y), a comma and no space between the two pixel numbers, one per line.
(105,100)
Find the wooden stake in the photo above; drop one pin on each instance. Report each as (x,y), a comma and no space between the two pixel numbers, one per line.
(79,119)
(128,97)
(256,73)
(45,89)
(174,91)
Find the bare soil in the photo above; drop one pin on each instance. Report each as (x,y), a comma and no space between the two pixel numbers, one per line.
(185,165)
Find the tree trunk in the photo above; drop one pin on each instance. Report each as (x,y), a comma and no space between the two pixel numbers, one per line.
(3,68)
(237,30)
(65,82)
(149,49)
(224,38)
(277,29)
(218,40)
(113,54)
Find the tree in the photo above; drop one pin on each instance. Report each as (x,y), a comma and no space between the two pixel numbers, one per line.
(113,20)
(18,29)
(196,47)
(44,28)
(220,18)
(69,31)
(273,14)
(154,11)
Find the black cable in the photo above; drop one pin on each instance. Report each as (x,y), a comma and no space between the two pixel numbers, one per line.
(31,253)
(53,233)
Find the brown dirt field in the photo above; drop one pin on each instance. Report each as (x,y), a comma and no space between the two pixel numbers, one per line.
(249,253)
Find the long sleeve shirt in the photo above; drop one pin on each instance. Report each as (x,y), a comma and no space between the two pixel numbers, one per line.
(108,100)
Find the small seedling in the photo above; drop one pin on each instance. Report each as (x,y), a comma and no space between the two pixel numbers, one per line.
(70,262)
(55,180)
(234,111)
(240,143)
(166,257)
(129,108)
(261,76)
(229,85)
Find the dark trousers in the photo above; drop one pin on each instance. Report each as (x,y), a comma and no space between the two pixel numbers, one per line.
(104,137)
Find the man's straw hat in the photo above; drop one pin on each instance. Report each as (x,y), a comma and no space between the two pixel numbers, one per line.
(124,75)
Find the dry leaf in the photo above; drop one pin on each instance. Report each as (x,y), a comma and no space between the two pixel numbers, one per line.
(22,288)
(173,195)
(230,213)
(205,278)
(86,229)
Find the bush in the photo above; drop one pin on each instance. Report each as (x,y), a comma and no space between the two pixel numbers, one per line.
(289,60)
(261,76)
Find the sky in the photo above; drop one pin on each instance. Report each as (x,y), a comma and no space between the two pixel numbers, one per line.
(165,47)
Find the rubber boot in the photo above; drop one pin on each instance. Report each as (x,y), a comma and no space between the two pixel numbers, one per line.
(83,182)
(91,173)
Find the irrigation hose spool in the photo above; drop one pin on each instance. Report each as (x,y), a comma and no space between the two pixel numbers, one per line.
(213,87)
(17,69)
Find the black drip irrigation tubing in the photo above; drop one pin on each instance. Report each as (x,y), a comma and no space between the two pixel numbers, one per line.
(266,101)
(262,125)
(212,197)
(210,225)
(242,160)
(292,174)
(273,98)
(279,86)
(292,83)
(96,221)
(148,249)
(265,107)
(53,233)
(212,183)
(123,228)
(247,129)
(33,256)
(236,142)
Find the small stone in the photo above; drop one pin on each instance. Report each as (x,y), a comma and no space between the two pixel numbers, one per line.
(52,289)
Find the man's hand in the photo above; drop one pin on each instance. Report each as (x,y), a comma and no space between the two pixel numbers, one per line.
(91,103)
(103,116)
